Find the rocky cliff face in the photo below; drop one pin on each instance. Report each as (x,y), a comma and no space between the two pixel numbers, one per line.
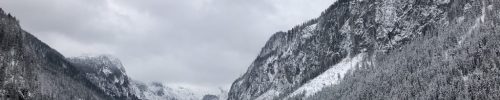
(107,73)
(386,49)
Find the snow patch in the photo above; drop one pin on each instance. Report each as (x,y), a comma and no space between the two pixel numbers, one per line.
(473,27)
(309,30)
(346,27)
(467,6)
(160,91)
(106,71)
(490,7)
(116,80)
(443,1)
(460,19)
(330,77)
(269,95)
(12,52)
(13,63)
(483,12)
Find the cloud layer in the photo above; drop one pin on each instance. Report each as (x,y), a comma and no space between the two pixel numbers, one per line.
(200,42)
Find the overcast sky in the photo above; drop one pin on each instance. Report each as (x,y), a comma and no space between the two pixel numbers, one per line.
(195,42)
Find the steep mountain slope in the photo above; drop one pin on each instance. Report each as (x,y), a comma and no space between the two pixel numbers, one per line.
(29,69)
(107,73)
(405,49)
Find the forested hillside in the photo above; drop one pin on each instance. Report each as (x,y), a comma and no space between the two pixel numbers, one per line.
(409,49)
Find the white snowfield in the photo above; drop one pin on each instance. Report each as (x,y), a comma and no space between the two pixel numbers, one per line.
(330,77)
(269,95)
(161,91)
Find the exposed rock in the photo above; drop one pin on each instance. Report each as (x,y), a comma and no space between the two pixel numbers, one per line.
(459,35)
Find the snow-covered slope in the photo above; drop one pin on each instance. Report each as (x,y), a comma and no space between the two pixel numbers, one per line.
(329,77)
(160,91)
(416,49)
(31,70)
(106,72)
(197,91)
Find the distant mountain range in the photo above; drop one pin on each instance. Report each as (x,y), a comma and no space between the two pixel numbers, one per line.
(32,70)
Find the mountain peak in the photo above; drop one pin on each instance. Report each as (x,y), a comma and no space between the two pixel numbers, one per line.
(105,61)
(106,72)
(7,18)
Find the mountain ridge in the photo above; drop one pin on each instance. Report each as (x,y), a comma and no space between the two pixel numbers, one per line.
(31,69)
(30,66)
(382,30)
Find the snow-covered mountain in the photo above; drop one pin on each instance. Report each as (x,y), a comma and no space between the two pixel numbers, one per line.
(382,49)
(107,73)
(31,70)
(161,91)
